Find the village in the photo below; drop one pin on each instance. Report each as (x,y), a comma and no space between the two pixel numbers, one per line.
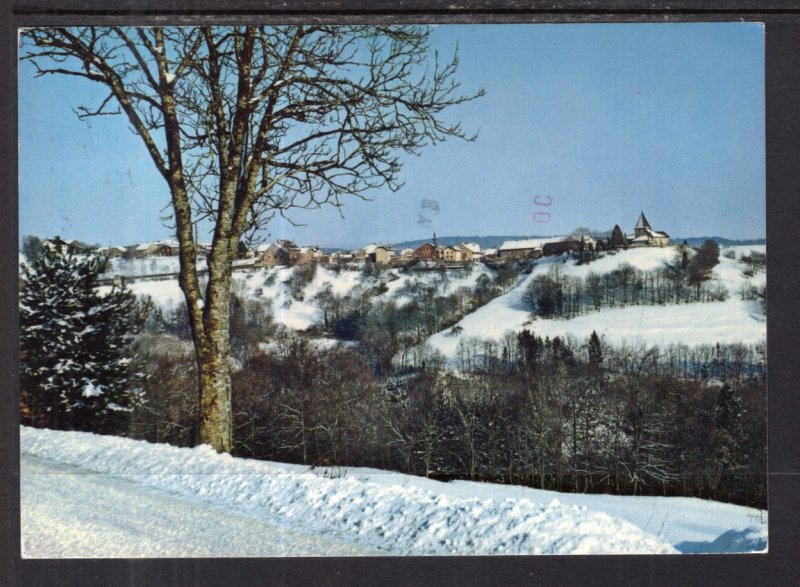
(285,252)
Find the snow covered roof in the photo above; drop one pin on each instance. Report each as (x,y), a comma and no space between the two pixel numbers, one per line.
(287,244)
(158,243)
(657,234)
(474,247)
(490,252)
(531,243)
(649,233)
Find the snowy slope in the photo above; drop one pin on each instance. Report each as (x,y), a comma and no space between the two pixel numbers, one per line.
(391,513)
(271,284)
(733,320)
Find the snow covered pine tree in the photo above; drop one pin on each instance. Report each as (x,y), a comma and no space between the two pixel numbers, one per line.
(74,347)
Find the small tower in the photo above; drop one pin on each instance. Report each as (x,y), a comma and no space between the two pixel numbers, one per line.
(642,226)
(434,240)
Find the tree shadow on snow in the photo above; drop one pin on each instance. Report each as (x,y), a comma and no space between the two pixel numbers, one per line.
(747,540)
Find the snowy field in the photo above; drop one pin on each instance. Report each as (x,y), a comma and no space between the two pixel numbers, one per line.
(730,321)
(86,495)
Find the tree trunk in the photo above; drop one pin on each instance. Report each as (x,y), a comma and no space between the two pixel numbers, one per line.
(215,401)
(213,351)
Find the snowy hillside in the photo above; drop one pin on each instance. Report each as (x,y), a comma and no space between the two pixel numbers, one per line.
(733,320)
(302,312)
(385,512)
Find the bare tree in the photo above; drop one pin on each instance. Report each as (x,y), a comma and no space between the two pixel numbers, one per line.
(246,123)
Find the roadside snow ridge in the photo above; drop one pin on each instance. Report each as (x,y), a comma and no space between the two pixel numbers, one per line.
(400,520)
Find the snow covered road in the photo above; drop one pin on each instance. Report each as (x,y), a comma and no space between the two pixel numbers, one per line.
(70,512)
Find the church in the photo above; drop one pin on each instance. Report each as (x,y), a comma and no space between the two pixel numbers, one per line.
(644,235)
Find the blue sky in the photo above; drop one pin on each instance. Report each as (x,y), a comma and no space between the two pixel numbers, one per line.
(601,121)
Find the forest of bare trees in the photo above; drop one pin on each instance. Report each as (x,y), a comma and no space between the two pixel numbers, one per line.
(558,414)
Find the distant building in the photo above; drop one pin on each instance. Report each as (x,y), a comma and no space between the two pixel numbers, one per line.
(144,250)
(425,252)
(382,254)
(450,254)
(341,257)
(568,245)
(168,249)
(111,252)
(61,246)
(270,255)
(363,253)
(531,248)
(521,249)
(644,235)
(306,255)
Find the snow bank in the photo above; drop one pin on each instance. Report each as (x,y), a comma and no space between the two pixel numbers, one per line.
(394,518)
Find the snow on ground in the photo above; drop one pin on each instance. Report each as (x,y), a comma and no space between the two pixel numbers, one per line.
(730,271)
(149,266)
(691,525)
(697,323)
(300,314)
(644,259)
(295,314)
(69,512)
(393,513)
(165,293)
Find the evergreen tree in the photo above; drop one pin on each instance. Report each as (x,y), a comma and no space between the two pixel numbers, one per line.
(31,247)
(617,239)
(74,347)
(595,353)
(727,439)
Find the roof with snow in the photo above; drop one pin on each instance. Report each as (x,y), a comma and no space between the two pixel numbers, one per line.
(474,247)
(158,243)
(648,234)
(531,243)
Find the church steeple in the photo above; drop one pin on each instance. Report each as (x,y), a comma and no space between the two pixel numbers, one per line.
(434,239)
(642,226)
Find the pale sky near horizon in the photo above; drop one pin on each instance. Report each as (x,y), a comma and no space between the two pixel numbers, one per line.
(600,121)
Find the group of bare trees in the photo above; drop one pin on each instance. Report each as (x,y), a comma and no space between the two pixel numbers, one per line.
(688,279)
(557,414)
(390,332)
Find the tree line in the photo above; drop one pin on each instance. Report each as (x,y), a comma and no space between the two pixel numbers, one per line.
(687,279)
(564,415)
